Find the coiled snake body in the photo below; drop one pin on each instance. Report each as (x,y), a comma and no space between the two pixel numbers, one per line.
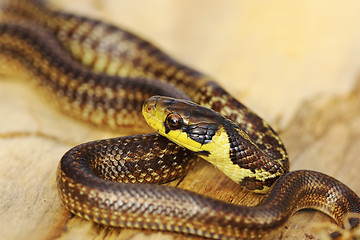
(105,80)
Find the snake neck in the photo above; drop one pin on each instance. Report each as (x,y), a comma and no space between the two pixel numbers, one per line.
(237,156)
(245,125)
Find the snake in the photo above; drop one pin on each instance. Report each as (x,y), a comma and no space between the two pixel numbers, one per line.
(111,78)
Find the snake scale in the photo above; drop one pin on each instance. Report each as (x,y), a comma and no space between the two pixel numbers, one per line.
(102,74)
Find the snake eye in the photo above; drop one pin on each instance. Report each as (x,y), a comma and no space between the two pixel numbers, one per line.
(173,121)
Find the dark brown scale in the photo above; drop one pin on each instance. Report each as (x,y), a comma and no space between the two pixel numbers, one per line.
(201,133)
(84,170)
(122,158)
(276,208)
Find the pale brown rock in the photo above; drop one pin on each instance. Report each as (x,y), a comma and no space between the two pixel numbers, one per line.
(294,62)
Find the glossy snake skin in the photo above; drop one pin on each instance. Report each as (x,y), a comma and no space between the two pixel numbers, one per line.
(104,80)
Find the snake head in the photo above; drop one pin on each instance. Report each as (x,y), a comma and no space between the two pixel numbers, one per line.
(214,138)
(184,122)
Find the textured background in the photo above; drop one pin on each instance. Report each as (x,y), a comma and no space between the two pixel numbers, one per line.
(295,63)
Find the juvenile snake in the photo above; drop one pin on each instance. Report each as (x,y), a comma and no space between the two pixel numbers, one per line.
(104,80)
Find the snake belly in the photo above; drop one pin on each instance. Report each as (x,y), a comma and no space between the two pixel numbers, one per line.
(102,74)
